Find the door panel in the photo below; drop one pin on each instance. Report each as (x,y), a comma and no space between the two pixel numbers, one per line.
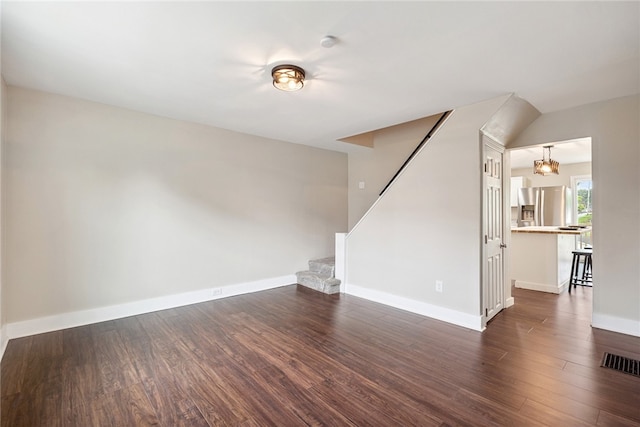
(493,277)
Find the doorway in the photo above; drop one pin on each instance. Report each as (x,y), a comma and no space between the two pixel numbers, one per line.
(574,157)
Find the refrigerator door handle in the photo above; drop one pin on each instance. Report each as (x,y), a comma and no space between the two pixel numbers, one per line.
(541,208)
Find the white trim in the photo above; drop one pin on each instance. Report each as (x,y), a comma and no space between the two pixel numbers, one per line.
(341,259)
(542,287)
(85,317)
(3,340)
(436,312)
(616,324)
(509,302)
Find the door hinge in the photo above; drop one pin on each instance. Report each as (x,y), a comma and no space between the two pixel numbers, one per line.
(486,312)
(485,168)
(486,239)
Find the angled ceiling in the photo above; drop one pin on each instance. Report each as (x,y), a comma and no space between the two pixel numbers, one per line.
(210,62)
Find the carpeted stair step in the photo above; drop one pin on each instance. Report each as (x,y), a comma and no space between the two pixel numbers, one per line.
(323,266)
(320,276)
(318,282)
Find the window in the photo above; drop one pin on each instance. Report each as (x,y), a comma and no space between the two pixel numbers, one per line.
(583,198)
(583,205)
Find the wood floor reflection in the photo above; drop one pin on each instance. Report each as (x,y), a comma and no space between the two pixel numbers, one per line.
(293,357)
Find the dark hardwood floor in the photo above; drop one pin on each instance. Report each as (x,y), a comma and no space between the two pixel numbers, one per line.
(291,356)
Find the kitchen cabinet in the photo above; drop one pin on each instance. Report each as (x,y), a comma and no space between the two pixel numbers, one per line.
(541,257)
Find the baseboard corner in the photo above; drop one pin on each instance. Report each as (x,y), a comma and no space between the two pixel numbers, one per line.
(616,324)
(444,314)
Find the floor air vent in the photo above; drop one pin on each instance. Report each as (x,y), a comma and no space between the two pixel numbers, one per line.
(622,364)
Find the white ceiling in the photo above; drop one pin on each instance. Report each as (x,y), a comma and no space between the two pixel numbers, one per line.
(210,62)
(563,152)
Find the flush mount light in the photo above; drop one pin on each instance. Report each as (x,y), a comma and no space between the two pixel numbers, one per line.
(546,166)
(288,77)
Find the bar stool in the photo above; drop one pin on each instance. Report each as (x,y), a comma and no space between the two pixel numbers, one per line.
(584,279)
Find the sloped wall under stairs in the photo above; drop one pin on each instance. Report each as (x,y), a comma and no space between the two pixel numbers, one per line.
(427,227)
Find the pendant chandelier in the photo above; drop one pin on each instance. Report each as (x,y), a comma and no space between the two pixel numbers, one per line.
(546,166)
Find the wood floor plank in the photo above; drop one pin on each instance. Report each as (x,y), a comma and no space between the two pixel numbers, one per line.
(16,356)
(548,416)
(482,411)
(171,403)
(307,407)
(607,419)
(217,400)
(292,356)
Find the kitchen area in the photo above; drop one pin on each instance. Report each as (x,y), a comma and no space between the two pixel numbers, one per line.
(550,213)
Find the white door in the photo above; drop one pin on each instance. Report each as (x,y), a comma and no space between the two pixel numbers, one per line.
(493,263)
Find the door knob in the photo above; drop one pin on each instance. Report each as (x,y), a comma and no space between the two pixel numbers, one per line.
(502,246)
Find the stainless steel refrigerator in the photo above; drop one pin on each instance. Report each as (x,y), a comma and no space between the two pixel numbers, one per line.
(545,206)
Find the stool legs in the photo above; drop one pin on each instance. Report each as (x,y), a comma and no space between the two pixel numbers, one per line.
(586,274)
(575,263)
(575,279)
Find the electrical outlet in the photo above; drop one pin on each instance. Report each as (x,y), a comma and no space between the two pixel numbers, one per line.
(216,291)
(438,285)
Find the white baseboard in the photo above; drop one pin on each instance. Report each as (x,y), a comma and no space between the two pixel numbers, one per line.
(616,324)
(542,287)
(436,312)
(509,302)
(85,317)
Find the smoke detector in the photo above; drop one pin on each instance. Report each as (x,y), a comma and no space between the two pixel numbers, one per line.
(328,41)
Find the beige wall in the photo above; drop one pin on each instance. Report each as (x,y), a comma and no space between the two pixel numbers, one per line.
(105,206)
(3,335)
(615,132)
(3,338)
(563,178)
(376,166)
(427,227)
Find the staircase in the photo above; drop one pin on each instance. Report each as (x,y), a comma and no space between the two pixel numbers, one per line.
(320,276)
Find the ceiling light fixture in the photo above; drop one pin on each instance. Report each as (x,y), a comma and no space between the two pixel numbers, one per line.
(288,77)
(546,166)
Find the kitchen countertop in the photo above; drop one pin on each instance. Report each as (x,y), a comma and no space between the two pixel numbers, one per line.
(549,230)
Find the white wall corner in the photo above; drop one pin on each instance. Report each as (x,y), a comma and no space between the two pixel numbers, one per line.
(455,317)
(102,314)
(341,259)
(616,324)
(3,340)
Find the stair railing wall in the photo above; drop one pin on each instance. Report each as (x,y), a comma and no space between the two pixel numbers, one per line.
(434,129)
(341,238)
(418,148)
